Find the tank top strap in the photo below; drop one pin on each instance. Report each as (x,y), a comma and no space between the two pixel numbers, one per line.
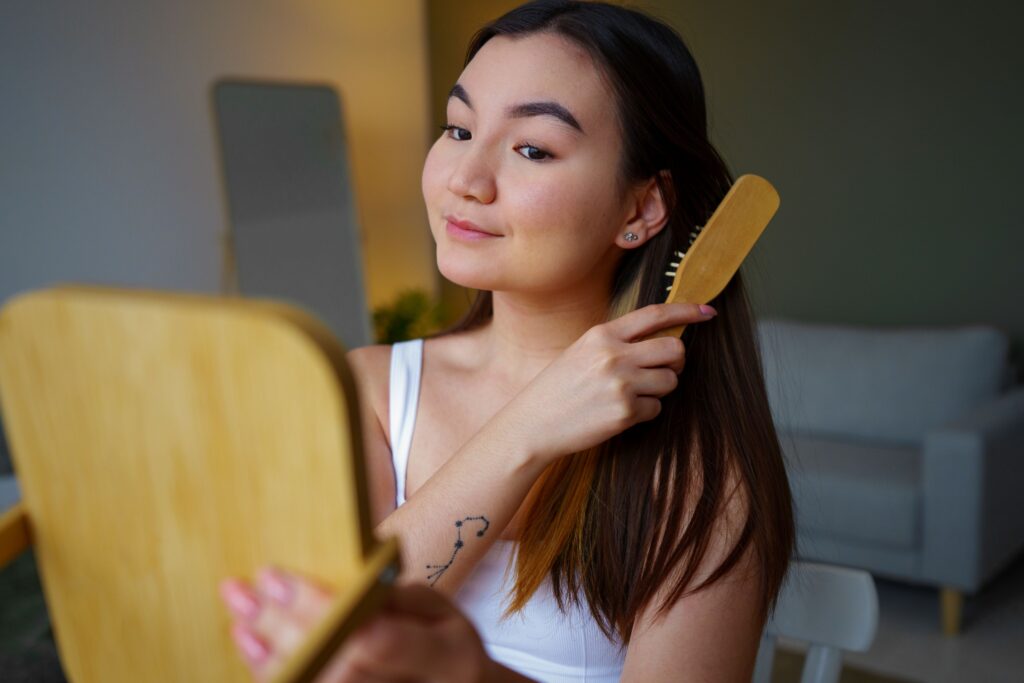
(404,390)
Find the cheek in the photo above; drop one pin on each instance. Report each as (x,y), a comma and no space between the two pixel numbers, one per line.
(573,210)
(434,186)
(429,179)
(562,231)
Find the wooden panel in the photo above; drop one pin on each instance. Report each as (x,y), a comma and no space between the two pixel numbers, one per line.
(162,442)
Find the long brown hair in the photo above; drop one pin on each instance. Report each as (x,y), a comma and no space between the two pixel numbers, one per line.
(607,521)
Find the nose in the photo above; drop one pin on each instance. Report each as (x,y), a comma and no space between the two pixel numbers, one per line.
(471,176)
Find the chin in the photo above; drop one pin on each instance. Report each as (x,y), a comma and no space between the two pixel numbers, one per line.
(465,273)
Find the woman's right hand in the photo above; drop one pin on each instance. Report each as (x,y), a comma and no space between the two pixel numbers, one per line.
(605,382)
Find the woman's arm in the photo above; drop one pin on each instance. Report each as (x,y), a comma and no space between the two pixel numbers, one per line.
(455,517)
(487,478)
(484,481)
(602,384)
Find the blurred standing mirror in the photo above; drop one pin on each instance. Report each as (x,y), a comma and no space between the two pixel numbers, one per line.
(293,229)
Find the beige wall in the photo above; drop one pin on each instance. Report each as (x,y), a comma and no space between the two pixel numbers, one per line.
(380,59)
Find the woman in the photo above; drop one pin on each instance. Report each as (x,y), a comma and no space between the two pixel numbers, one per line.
(645,511)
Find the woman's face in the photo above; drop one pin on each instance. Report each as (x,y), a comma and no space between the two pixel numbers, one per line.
(546,188)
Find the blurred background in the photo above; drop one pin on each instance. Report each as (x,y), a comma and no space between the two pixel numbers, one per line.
(891,131)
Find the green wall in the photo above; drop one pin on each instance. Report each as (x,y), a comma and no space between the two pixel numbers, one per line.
(890,131)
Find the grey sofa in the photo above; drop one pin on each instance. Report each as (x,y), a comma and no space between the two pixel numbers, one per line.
(904,448)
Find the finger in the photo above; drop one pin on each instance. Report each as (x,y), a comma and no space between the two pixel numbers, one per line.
(659,352)
(647,408)
(649,319)
(429,640)
(655,382)
(241,600)
(280,628)
(397,647)
(271,640)
(302,598)
(256,652)
(275,614)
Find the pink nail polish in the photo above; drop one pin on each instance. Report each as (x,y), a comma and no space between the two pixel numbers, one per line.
(276,586)
(254,648)
(707,310)
(240,602)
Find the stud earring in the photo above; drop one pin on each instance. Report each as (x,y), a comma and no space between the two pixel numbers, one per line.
(631,237)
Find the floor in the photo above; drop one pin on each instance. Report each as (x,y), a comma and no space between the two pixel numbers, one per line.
(909,643)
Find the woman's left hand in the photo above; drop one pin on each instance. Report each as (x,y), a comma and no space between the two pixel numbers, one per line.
(418,635)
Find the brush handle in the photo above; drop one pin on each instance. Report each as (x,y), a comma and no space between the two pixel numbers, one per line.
(723,244)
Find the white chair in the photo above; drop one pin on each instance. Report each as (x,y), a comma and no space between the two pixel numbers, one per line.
(831,608)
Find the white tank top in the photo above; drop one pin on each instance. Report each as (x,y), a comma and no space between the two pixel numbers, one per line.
(540,642)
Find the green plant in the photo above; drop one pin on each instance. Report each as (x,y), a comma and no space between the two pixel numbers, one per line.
(411,315)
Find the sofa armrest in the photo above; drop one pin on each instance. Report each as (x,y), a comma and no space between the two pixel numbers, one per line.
(973,476)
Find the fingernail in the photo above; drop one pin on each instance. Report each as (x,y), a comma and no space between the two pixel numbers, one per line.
(239,600)
(253,648)
(276,586)
(707,310)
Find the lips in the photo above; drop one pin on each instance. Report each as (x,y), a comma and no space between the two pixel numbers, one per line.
(469,225)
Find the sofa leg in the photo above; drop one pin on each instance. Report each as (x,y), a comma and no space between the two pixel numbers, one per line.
(952,610)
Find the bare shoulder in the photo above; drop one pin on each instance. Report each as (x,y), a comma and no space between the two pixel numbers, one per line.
(374,357)
(371,367)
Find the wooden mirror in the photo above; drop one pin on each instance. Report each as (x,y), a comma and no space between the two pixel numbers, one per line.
(164,441)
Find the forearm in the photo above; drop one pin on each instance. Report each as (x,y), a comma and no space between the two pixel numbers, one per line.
(456,516)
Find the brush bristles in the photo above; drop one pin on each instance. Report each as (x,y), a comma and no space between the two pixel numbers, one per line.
(674,265)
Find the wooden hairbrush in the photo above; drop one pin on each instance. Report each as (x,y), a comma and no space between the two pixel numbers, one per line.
(717,248)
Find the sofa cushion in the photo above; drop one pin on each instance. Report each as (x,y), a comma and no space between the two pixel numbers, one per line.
(855,490)
(878,384)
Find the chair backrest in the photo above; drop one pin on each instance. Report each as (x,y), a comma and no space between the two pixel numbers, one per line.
(163,442)
(828,607)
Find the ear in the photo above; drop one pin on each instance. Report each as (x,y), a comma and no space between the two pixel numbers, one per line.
(648,212)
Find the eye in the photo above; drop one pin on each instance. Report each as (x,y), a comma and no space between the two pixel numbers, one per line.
(532,153)
(447,127)
(538,150)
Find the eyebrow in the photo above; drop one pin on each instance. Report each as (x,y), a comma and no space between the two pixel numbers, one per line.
(518,111)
